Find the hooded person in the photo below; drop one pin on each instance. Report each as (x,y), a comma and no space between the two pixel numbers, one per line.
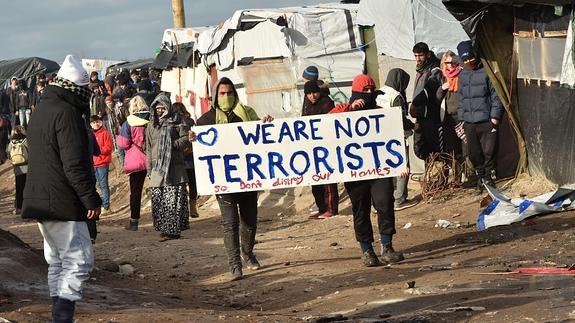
(394,97)
(60,188)
(376,192)
(166,138)
(239,240)
(132,140)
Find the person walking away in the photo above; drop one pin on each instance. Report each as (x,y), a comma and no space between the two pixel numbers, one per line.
(60,188)
(481,111)
(378,192)
(326,195)
(166,139)
(394,97)
(239,210)
(18,154)
(24,100)
(103,160)
(189,161)
(131,140)
(447,93)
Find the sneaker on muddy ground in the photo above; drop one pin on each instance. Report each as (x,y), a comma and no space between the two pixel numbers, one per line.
(405,204)
(236,273)
(132,225)
(390,256)
(316,215)
(370,259)
(251,261)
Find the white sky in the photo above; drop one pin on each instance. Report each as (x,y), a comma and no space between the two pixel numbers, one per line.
(110,29)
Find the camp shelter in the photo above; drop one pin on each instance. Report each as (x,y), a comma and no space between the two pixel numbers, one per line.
(129,66)
(526,47)
(264,52)
(98,65)
(25,68)
(391,28)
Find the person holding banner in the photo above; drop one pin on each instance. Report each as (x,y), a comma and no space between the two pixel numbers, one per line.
(166,138)
(326,196)
(378,192)
(239,210)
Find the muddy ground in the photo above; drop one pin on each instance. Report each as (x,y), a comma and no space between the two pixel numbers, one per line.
(311,268)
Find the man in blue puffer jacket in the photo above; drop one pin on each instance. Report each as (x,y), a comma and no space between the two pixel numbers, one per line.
(481,110)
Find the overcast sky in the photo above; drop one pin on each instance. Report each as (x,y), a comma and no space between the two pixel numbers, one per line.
(110,29)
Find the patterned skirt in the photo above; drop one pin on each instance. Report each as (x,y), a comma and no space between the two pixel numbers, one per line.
(170,209)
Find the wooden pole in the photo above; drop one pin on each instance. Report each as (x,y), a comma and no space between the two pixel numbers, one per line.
(178,13)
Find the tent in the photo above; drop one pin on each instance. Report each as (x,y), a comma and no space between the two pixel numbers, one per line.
(392,28)
(129,66)
(25,68)
(264,52)
(523,45)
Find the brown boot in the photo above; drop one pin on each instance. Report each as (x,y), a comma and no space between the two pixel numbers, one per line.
(193,208)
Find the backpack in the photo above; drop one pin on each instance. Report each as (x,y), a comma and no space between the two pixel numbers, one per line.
(19,152)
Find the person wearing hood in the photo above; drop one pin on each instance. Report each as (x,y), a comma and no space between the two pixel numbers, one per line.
(236,208)
(394,97)
(326,195)
(131,140)
(481,111)
(60,187)
(166,139)
(19,163)
(377,192)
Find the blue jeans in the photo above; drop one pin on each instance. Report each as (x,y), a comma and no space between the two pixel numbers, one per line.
(24,115)
(102,179)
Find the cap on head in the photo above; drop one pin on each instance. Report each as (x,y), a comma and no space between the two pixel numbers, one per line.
(465,50)
(311,73)
(73,71)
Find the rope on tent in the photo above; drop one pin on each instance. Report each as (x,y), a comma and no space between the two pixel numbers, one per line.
(435,15)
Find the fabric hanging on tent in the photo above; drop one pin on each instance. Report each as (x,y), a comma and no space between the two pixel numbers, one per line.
(568,66)
(538,57)
(265,40)
(173,81)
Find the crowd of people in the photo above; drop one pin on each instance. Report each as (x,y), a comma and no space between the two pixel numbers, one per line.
(63,136)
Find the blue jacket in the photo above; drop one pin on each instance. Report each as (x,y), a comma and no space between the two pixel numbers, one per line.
(478,101)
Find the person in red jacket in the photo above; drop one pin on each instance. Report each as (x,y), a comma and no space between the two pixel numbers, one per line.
(102,161)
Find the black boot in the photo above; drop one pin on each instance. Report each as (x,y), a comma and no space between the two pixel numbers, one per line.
(54,301)
(64,311)
(132,225)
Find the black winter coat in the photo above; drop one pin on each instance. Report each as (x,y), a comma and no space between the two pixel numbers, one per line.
(478,101)
(60,183)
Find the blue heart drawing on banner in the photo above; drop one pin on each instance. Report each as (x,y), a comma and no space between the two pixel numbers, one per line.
(208,138)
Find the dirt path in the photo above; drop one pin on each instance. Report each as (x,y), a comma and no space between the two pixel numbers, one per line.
(312,268)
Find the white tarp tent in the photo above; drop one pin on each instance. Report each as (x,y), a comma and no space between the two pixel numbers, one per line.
(265,51)
(399,25)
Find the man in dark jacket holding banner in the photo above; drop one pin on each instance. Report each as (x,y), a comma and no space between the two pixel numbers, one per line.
(481,110)
(61,189)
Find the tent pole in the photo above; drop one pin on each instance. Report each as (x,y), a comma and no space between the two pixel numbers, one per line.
(178,13)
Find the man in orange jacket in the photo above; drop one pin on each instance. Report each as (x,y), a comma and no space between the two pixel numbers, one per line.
(102,161)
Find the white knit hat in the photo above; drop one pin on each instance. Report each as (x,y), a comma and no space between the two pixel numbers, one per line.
(73,71)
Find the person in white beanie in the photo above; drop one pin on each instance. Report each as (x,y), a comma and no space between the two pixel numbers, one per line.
(60,190)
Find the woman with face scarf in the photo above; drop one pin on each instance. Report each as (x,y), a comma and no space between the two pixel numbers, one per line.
(166,139)
(378,192)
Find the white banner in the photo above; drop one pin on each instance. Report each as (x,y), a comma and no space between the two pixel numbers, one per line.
(331,148)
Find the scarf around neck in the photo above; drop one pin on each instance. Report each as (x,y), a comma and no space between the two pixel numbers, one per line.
(452,78)
(239,110)
(83,92)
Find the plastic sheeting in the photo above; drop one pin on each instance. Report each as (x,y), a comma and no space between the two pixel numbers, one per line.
(266,39)
(505,210)
(539,58)
(400,25)
(25,68)
(568,66)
